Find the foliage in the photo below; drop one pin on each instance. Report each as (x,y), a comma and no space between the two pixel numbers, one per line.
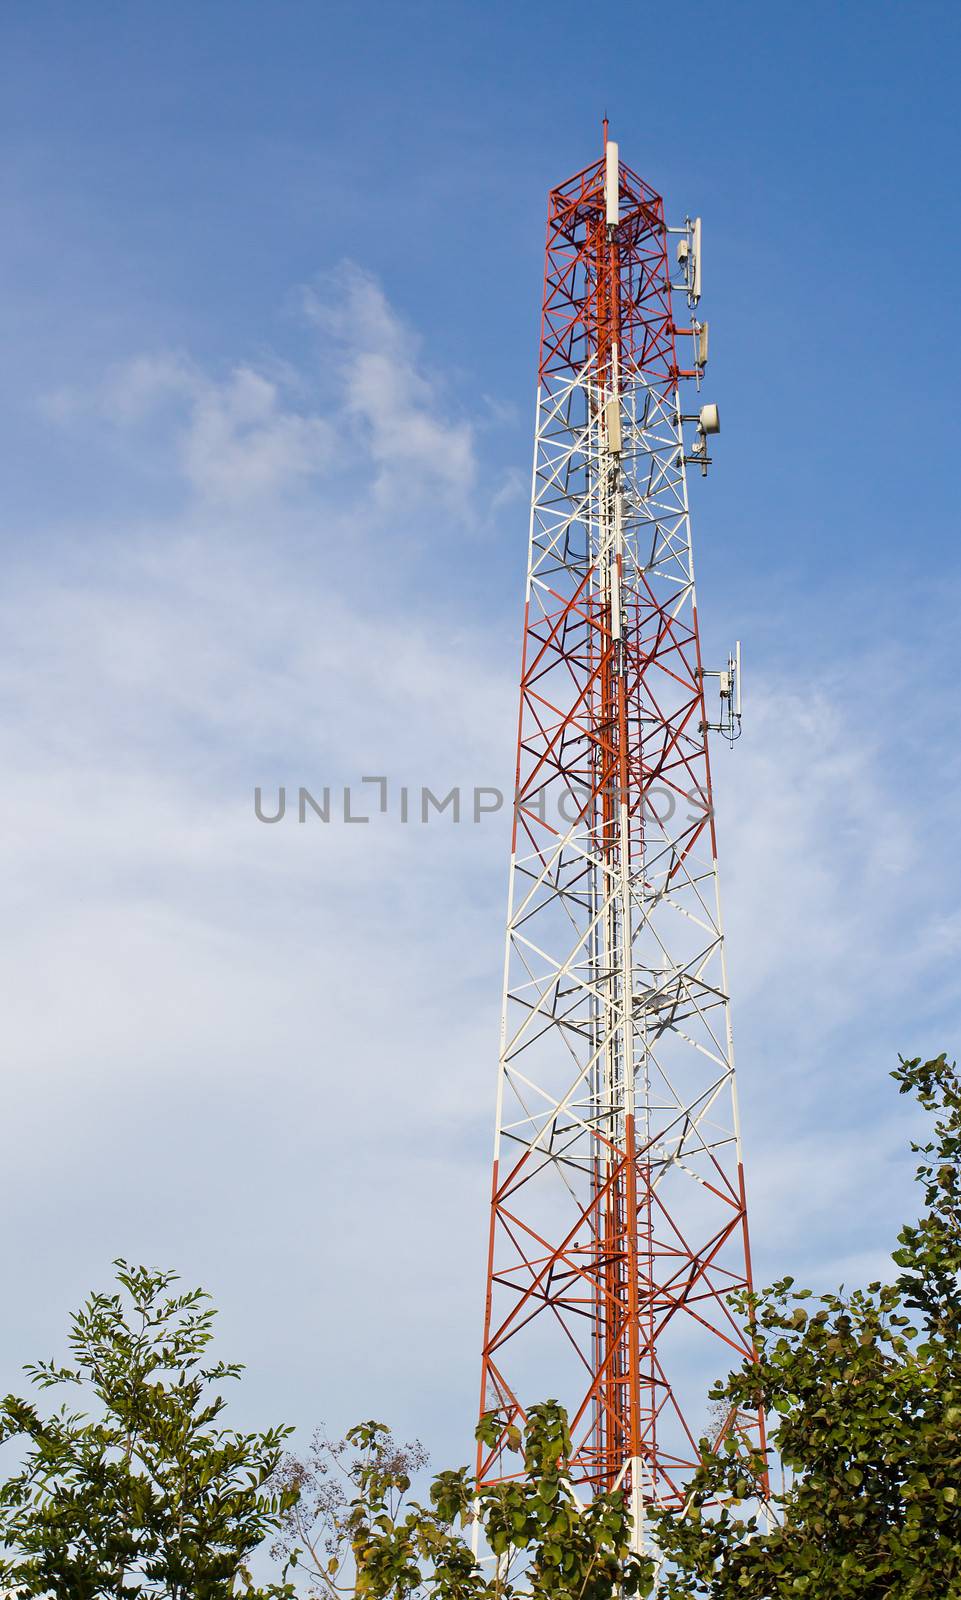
(575,1554)
(316,1530)
(865,1390)
(540,1539)
(150,1496)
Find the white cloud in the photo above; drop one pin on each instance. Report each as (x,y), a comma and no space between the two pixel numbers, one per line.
(248,435)
(234,439)
(418,444)
(511,491)
(826,835)
(817,835)
(241,441)
(389,428)
(132,392)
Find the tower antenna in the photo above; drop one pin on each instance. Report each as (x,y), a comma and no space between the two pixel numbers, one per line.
(618,1225)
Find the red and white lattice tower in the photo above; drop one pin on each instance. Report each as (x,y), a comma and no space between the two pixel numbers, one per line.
(618,1220)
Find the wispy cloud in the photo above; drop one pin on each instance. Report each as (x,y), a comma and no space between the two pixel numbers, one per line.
(233,440)
(252,434)
(419,445)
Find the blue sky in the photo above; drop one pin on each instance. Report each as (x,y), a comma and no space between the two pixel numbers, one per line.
(269,292)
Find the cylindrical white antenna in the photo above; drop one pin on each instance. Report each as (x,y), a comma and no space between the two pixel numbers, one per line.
(737,677)
(696,285)
(612,185)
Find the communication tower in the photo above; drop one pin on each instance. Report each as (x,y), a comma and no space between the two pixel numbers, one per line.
(618,1215)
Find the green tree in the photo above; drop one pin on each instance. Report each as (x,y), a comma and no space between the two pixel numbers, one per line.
(377,1542)
(145,1493)
(864,1392)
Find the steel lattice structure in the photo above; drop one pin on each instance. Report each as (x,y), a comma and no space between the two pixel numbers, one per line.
(618,1217)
